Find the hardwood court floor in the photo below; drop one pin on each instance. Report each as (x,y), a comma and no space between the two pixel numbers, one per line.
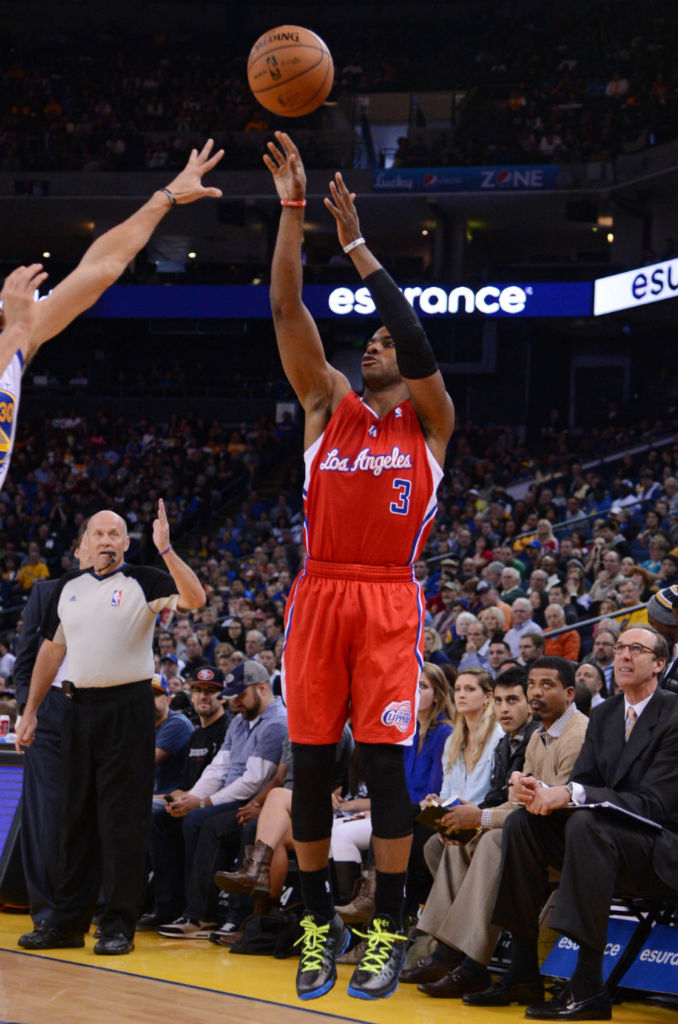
(169,981)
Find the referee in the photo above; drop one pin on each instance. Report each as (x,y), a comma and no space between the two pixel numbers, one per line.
(105,617)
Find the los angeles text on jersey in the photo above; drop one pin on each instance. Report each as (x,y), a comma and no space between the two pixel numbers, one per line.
(366,462)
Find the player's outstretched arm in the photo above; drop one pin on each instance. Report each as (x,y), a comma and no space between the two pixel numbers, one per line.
(315,382)
(107,257)
(416,360)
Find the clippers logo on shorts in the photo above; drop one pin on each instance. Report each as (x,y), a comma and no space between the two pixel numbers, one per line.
(117,598)
(7,408)
(366,462)
(399,714)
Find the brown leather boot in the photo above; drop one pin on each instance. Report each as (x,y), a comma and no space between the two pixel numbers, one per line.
(245,878)
(361,907)
(262,857)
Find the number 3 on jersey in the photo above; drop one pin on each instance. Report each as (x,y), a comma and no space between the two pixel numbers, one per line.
(402,506)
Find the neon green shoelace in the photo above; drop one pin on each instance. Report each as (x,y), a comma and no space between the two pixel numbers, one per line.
(312,943)
(380,942)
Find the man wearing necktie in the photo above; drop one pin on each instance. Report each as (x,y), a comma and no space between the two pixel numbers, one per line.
(630,759)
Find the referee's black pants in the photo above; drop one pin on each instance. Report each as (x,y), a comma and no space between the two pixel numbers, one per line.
(108,764)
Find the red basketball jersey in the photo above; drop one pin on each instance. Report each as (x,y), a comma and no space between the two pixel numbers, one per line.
(370,487)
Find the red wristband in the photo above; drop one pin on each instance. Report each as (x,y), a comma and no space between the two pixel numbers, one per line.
(293,202)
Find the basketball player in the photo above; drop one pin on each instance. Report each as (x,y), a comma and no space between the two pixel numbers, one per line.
(354,617)
(28,324)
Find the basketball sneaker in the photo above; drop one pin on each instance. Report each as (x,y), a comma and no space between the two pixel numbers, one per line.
(378,970)
(321,943)
(187,928)
(227,934)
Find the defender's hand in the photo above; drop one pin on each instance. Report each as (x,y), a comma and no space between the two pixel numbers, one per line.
(18,306)
(187,186)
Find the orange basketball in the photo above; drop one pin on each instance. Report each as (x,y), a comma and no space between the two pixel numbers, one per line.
(290,70)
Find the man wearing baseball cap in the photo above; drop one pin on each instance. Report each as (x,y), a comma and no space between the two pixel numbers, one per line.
(247,760)
(167,841)
(206,697)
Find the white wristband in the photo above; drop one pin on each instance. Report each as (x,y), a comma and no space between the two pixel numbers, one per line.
(354,244)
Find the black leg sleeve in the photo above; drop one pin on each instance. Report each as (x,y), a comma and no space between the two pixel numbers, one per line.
(312,792)
(384,771)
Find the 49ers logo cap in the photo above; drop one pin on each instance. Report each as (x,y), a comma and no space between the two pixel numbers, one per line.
(208,676)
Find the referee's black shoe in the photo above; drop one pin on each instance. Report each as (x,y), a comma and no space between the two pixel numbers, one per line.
(113,945)
(321,943)
(378,971)
(51,938)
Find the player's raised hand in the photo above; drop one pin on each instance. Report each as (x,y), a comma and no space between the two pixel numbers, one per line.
(285,164)
(187,186)
(161,529)
(342,208)
(18,294)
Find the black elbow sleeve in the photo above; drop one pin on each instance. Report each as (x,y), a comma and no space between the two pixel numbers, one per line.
(413,349)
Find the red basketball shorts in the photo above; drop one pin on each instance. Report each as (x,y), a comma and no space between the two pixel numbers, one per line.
(353,649)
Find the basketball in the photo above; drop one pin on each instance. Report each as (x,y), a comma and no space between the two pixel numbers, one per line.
(290,71)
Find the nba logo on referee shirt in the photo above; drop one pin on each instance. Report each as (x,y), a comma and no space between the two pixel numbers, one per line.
(117,597)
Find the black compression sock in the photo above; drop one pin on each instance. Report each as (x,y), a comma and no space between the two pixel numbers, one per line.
(389,895)
(316,891)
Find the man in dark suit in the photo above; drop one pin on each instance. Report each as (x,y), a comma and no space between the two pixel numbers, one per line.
(629,758)
(40,801)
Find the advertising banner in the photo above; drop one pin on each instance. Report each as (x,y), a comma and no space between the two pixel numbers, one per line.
(636,287)
(527,178)
(193,302)
(653,970)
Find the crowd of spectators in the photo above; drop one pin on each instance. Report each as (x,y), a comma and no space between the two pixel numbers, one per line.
(582,95)
(67,466)
(563,88)
(559,533)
